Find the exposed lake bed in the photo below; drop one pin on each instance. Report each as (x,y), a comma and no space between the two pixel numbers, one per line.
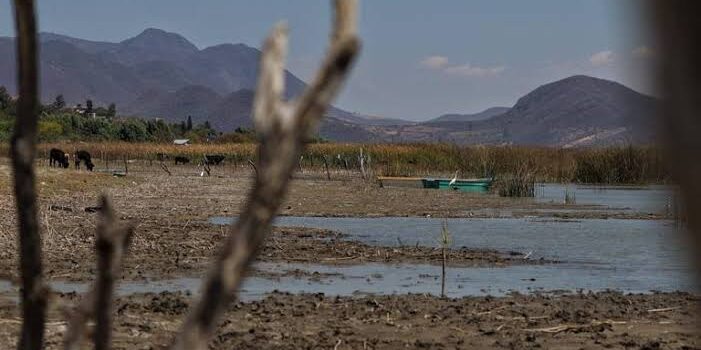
(360,243)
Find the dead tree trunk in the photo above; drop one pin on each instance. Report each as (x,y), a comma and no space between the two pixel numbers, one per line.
(34,292)
(678,30)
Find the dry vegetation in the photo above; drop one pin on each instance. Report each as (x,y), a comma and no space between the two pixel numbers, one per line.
(613,165)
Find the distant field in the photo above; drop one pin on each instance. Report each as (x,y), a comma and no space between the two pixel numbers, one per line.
(613,165)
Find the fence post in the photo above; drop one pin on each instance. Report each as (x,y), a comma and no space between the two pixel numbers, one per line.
(326,165)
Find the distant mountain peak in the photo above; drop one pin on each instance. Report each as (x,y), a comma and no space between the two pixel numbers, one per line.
(161,38)
(485,114)
(231,48)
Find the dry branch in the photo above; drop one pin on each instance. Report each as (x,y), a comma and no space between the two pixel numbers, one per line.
(165,168)
(34,292)
(283,127)
(112,241)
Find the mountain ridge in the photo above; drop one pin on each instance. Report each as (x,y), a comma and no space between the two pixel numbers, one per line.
(146,74)
(162,74)
(576,111)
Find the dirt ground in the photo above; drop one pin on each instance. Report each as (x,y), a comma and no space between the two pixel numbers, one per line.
(604,320)
(173,238)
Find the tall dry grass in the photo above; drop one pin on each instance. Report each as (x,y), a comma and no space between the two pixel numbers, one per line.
(613,165)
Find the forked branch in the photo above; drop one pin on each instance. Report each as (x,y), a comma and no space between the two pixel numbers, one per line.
(283,128)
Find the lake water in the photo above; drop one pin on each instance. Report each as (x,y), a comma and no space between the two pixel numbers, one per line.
(654,199)
(595,254)
(625,255)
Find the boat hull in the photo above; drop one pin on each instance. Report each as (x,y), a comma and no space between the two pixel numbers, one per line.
(477,185)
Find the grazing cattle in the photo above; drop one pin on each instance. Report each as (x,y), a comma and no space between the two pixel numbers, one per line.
(213,159)
(58,158)
(181,160)
(161,157)
(83,156)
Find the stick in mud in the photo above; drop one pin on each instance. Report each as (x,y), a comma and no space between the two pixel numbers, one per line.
(445,241)
(361,159)
(165,168)
(112,241)
(326,166)
(253,165)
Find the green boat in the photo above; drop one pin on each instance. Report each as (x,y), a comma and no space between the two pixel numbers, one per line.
(462,185)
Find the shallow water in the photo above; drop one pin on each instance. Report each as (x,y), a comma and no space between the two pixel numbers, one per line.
(655,199)
(627,255)
(597,254)
(402,279)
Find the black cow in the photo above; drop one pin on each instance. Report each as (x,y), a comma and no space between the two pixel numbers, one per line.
(83,156)
(181,160)
(58,158)
(161,157)
(213,159)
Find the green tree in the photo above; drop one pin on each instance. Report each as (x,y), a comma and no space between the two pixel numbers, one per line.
(5,99)
(50,130)
(189,123)
(88,106)
(111,110)
(59,103)
(132,130)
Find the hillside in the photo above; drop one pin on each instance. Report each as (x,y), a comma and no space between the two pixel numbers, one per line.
(159,74)
(572,112)
(162,74)
(575,109)
(486,114)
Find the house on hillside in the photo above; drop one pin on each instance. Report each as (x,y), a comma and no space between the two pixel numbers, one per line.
(181,142)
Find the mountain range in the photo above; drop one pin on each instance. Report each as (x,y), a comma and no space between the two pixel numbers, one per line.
(572,112)
(162,74)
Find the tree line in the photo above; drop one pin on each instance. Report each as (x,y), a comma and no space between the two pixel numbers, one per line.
(58,122)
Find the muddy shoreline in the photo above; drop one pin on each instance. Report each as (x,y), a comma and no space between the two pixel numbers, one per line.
(191,249)
(174,239)
(283,321)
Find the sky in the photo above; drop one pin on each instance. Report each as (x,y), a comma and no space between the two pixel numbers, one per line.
(420,58)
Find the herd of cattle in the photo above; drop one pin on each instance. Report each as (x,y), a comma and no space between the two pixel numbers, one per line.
(59,158)
(207,159)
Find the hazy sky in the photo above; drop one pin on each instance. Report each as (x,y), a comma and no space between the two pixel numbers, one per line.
(420,58)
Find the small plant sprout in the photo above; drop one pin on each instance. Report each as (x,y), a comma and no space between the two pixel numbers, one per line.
(445,241)
(570,197)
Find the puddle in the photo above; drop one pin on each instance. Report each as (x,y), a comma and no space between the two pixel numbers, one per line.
(403,279)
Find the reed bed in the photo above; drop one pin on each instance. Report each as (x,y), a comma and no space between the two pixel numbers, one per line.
(612,165)
(519,184)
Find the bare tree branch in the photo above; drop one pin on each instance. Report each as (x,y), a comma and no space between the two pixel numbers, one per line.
(112,241)
(284,128)
(34,293)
